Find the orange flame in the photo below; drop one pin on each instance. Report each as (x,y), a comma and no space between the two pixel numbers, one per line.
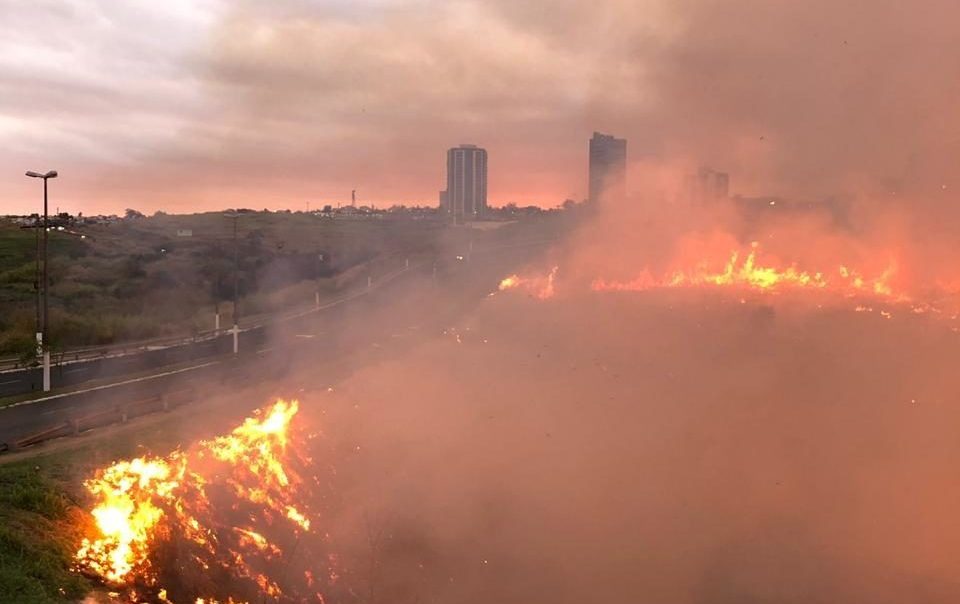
(746,271)
(541,287)
(250,475)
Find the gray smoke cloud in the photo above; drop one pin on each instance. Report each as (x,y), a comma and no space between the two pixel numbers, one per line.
(272,103)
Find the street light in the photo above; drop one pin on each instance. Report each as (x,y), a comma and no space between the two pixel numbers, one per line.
(236,276)
(42,336)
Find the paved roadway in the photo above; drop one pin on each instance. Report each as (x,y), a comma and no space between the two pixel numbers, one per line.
(145,358)
(408,307)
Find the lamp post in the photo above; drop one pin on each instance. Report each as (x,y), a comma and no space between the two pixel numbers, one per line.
(43,340)
(236,276)
(316,293)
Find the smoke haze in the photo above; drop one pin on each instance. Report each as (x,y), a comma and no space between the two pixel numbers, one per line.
(661,448)
(266,105)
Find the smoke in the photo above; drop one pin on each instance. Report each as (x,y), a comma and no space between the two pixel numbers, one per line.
(670,446)
(267,104)
(662,448)
(803,101)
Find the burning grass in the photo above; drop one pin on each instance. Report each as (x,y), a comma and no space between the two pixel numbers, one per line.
(750,272)
(228,519)
(746,269)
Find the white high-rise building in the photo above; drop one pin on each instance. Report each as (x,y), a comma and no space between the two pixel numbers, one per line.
(466,194)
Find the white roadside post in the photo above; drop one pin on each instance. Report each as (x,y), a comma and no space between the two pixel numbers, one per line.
(369,281)
(46,371)
(236,338)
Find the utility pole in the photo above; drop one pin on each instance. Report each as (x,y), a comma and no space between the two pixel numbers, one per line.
(36,286)
(316,293)
(44,340)
(236,277)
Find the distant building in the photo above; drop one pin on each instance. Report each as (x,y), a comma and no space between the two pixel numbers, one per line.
(466,194)
(708,184)
(608,166)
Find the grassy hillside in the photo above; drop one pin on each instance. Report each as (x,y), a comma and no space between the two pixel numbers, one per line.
(137,279)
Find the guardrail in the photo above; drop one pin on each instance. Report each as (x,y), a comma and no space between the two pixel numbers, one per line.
(123,412)
(116,414)
(255,321)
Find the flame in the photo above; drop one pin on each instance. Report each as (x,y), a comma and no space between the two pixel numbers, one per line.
(509,282)
(745,271)
(540,287)
(227,505)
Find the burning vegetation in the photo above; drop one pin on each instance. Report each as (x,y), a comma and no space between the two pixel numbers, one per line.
(539,287)
(884,285)
(224,521)
(745,269)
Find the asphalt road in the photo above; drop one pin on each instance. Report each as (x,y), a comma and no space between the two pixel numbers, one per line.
(395,315)
(75,372)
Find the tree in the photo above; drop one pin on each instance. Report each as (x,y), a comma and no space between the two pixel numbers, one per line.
(129,213)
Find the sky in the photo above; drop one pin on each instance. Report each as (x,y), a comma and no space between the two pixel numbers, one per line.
(187,106)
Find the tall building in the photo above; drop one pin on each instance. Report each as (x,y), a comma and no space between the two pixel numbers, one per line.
(466,194)
(707,184)
(608,166)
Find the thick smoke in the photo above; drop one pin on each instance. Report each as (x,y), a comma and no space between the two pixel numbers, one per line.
(652,448)
(268,103)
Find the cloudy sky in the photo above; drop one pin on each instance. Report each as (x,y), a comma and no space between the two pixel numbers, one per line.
(190,105)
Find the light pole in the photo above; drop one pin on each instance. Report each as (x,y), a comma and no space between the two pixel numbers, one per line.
(316,293)
(236,271)
(43,337)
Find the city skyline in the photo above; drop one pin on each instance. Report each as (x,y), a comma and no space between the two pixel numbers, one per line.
(273,104)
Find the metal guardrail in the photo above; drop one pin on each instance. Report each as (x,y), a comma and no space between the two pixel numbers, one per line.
(116,414)
(121,413)
(250,322)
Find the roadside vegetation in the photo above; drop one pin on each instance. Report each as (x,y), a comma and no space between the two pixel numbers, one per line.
(167,275)
(38,535)
(42,500)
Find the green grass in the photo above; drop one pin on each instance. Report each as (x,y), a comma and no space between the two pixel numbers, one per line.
(38,535)
(41,501)
(137,279)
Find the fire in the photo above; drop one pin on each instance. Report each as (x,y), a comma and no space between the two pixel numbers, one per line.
(225,509)
(509,282)
(746,271)
(541,287)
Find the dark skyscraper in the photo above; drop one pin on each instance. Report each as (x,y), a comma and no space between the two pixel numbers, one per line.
(466,194)
(708,184)
(608,166)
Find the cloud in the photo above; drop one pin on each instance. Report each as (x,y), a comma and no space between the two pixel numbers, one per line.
(184,105)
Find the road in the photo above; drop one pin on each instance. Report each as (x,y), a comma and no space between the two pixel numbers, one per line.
(413,305)
(105,364)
